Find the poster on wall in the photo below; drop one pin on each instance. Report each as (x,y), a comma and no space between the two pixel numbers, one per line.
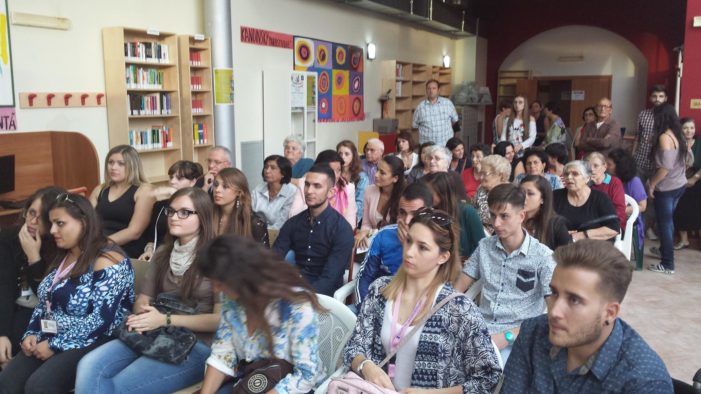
(339,69)
(7,89)
(223,86)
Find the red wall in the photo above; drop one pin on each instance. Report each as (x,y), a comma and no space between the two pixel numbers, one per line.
(654,27)
(691,77)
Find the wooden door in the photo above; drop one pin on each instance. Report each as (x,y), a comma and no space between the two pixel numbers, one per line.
(593,89)
(527,88)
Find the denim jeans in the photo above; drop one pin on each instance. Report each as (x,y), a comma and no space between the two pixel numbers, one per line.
(665,204)
(115,368)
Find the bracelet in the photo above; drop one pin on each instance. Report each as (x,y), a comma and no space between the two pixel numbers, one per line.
(168,318)
(362,364)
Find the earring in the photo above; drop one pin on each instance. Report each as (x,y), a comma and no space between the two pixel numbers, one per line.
(238,203)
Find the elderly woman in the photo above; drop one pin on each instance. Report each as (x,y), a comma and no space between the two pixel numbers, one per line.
(589,213)
(439,159)
(294,151)
(421,168)
(495,171)
(273,198)
(536,162)
(469,176)
(608,184)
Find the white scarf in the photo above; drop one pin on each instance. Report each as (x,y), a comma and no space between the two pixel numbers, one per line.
(182,256)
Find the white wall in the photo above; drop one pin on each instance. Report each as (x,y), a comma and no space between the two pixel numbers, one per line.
(605,53)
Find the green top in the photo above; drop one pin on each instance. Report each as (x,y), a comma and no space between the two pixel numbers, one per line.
(471,230)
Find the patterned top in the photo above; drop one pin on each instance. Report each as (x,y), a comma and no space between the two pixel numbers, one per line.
(516,134)
(644,140)
(369,169)
(557,132)
(624,364)
(435,121)
(483,209)
(276,211)
(515,285)
(295,332)
(454,345)
(382,259)
(555,181)
(85,308)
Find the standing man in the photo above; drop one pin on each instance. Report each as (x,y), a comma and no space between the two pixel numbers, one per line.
(374,150)
(434,117)
(603,135)
(581,346)
(218,158)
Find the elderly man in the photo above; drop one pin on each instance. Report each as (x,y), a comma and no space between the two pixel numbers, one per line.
(373,154)
(294,150)
(603,135)
(434,117)
(218,158)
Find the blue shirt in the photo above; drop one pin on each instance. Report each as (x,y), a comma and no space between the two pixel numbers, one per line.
(301,167)
(277,210)
(624,364)
(382,259)
(322,247)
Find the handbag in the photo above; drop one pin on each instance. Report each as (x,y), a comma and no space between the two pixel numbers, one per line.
(352,383)
(261,376)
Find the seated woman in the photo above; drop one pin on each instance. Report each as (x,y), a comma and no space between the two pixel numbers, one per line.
(343,200)
(273,198)
(381,199)
(233,212)
(557,158)
(352,173)
(25,252)
(125,201)
(453,340)
(421,168)
(405,151)
(607,184)
(182,174)
(469,176)
(87,294)
(294,149)
(687,216)
(541,220)
(439,161)
(536,163)
(588,213)
(114,366)
(495,171)
(622,164)
(445,198)
(506,149)
(268,311)
(458,161)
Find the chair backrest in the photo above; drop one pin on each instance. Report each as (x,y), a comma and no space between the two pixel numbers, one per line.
(140,267)
(625,245)
(335,328)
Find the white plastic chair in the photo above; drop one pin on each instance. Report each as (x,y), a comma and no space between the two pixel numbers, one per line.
(335,328)
(625,245)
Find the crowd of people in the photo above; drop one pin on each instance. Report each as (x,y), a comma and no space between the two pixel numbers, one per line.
(528,221)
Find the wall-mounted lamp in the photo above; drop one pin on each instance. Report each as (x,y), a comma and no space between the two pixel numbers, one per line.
(446,61)
(372,48)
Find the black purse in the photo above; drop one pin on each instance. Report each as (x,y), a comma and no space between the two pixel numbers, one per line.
(261,376)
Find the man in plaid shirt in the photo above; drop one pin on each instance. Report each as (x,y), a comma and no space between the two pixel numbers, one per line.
(646,134)
(434,117)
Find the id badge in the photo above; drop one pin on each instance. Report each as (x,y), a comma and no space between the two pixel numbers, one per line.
(49,326)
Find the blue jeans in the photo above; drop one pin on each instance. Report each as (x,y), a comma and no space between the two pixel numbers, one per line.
(665,204)
(115,368)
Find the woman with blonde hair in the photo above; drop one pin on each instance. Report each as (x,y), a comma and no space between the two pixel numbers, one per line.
(124,202)
(233,208)
(494,171)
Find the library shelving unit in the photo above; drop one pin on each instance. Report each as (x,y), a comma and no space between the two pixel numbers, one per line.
(303,102)
(407,82)
(143,96)
(196,110)
(508,84)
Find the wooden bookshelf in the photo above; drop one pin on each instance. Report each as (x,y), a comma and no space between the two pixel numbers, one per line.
(508,84)
(195,61)
(142,88)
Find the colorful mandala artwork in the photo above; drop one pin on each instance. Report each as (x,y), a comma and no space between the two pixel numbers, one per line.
(304,54)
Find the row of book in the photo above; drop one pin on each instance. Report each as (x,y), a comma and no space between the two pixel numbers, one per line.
(197,106)
(157,137)
(146,51)
(149,104)
(200,133)
(195,82)
(195,58)
(143,78)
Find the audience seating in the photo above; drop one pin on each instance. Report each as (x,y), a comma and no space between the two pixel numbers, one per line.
(335,328)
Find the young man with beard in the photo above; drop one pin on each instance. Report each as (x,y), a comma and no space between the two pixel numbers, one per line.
(581,346)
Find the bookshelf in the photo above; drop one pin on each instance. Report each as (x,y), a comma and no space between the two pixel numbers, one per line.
(303,102)
(142,92)
(508,84)
(408,84)
(196,105)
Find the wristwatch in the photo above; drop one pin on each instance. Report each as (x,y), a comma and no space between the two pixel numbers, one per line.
(510,337)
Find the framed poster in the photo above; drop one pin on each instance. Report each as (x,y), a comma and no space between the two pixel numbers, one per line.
(7,88)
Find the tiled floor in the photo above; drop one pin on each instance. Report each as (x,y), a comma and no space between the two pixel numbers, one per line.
(666,311)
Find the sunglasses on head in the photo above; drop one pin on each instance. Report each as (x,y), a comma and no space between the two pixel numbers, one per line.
(439,218)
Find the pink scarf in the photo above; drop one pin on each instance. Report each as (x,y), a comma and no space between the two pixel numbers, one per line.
(340,202)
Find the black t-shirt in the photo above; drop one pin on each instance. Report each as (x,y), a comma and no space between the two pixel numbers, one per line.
(597,206)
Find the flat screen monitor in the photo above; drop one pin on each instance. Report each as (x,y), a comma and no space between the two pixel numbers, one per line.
(7,174)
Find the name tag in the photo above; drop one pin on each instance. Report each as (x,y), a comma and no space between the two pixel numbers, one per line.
(49,326)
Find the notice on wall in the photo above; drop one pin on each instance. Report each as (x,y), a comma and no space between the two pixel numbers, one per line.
(223,86)
(251,35)
(578,95)
(8,120)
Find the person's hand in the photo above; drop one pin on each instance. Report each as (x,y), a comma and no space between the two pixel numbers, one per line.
(650,189)
(149,319)
(402,230)
(691,181)
(361,240)
(208,180)
(414,390)
(30,245)
(148,252)
(29,345)
(577,235)
(42,351)
(5,351)
(374,374)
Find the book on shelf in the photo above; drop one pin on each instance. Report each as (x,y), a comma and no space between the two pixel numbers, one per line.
(157,137)
(195,82)
(149,104)
(399,70)
(199,133)
(195,58)
(197,106)
(148,51)
(398,89)
(143,78)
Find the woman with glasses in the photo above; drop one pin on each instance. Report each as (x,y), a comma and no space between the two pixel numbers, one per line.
(86,295)
(114,367)
(125,201)
(233,210)
(495,171)
(452,350)
(25,252)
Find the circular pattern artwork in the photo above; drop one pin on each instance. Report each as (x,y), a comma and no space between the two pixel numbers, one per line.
(304,52)
(340,80)
(355,84)
(340,107)
(341,55)
(323,105)
(324,82)
(357,106)
(356,58)
(322,55)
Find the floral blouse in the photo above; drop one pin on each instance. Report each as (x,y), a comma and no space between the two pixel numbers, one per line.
(85,308)
(295,333)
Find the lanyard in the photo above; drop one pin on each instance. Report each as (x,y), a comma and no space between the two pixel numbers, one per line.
(60,274)
(396,337)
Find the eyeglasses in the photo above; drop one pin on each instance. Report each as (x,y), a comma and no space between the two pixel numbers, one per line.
(182,213)
(485,174)
(439,218)
(603,106)
(30,214)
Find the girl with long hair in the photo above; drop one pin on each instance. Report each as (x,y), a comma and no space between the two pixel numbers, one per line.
(541,220)
(86,295)
(114,366)
(520,129)
(405,151)
(353,173)
(687,216)
(454,339)
(233,210)
(343,200)
(268,311)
